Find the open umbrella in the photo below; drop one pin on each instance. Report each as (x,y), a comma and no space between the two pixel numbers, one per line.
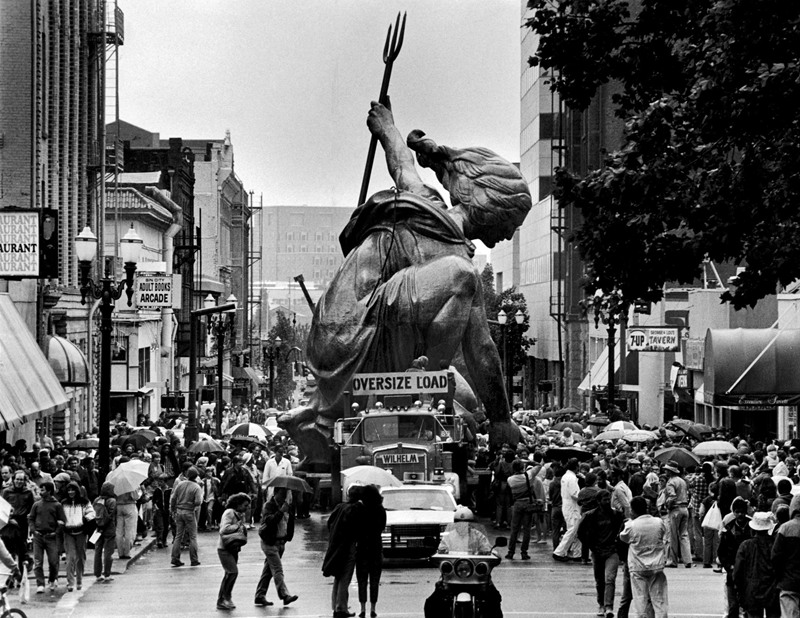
(554,414)
(714,447)
(676,455)
(250,429)
(292,483)
(599,421)
(139,441)
(149,433)
(128,476)
(639,435)
(611,434)
(84,444)
(562,453)
(206,446)
(571,424)
(369,475)
(690,428)
(246,440)
(623,425)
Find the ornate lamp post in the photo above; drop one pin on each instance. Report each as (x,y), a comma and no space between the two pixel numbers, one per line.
(107,291)
(219,323)
(502,320)
(271,349)
(610,309)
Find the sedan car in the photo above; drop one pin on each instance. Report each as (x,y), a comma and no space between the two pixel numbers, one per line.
(416,516)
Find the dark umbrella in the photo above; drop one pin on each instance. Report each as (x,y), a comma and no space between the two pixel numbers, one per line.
(600,421)
(139,441)
(677,455)
(571,424)
(85,443)
(148,433)
(690,428)
(245,440)
(562,453)
(554,414)
(292,483)
(206,446)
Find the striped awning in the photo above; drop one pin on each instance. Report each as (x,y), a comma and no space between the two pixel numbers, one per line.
(29,389)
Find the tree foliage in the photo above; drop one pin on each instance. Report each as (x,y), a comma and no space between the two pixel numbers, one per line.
(509,301)
(284,357)
(709,91)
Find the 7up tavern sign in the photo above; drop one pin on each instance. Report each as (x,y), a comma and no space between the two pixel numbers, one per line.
(653,339)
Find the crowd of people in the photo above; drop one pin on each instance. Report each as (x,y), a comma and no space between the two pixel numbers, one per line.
(641,508)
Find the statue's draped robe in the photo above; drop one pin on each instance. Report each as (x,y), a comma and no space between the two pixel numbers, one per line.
(367,319)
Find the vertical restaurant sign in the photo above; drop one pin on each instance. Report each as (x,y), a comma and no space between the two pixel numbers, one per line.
(19,243)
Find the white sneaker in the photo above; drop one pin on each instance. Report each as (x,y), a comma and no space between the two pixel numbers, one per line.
(40,590)
(53,586)
(100,579)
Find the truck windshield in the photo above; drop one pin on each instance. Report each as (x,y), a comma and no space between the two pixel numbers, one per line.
(391,428)
(410,500)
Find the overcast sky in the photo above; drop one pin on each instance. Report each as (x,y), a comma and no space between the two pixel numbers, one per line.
(292,80)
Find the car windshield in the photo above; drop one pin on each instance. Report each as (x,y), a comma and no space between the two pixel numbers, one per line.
(412,500)
(391,428)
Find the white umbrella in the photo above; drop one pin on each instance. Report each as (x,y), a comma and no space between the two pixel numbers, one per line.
(610,434)
(368,475)
(639,435)
(127,476)
(250,429)
(623,425)
(714,447)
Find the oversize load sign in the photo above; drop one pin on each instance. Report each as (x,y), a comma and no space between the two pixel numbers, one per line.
(19,244)
(408,383)
(653,339)
(153,290)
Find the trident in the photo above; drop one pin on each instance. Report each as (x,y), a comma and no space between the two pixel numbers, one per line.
(390,52)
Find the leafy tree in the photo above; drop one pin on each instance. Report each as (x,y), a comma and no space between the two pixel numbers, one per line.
(284,381)
(709,91)
(509,301)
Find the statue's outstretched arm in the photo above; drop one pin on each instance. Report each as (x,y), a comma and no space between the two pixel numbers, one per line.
(399,158)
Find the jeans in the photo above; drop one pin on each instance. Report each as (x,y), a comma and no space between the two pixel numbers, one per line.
(520,519)
(649,587)
(229,561)
(790,604)
(45,544)
(127,518)
(75,546)
(679,547)
(273,569)
(605,577)
(341,582)
(368,575)
(186,524)
(731,598)
(626,596)
(710,545)
(558,525)
(104,555)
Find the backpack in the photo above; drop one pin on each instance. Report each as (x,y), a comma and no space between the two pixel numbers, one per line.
(100,513)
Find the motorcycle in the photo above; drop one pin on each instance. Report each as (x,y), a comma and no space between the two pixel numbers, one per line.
(466,579)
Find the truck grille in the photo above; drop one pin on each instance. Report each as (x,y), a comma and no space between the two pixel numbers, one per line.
(431,530)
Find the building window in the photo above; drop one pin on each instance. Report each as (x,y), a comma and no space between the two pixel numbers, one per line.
(303,249)
(119,350)
(318,236)
(289,249)
(144,366)
(303,235)
(498,282)
(289,236)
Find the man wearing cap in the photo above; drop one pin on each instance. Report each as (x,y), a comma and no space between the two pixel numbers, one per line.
(753,573)
(786,561)
(735,530)
(677,503)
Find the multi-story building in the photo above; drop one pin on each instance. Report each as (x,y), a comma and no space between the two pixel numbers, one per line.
(52,103)
(302,240)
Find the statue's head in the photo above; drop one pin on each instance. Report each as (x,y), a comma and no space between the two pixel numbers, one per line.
(491,192)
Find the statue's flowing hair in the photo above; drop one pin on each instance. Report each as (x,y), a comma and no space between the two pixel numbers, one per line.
(491,189)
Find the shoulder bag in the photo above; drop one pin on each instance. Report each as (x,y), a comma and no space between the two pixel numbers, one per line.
(233,541)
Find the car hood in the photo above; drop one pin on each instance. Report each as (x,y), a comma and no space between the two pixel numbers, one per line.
(394,518)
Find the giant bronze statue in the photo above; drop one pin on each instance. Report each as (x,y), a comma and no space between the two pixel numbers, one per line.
(408,287)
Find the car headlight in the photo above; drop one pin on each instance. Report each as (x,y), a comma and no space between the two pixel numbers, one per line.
(446,567)
(481,568)
(463,568)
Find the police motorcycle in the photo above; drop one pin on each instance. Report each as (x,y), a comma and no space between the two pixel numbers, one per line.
(465,589)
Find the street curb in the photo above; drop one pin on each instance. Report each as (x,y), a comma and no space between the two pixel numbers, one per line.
(67,604)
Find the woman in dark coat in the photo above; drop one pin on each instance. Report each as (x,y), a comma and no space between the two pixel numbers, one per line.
(369,554)
(344,527)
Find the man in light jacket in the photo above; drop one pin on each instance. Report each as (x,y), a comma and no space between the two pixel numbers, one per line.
(186,497)
(570,546)
(646,537)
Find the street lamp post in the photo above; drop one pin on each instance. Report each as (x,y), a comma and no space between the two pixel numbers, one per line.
(220,323)
(107,291)
(502,320)
(271,350)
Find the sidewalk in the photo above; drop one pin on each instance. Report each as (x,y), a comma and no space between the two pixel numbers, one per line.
(63,603)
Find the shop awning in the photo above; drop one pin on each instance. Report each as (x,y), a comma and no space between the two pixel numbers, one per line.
(249,373)
(67,361)
(29,389)
(598,376)
(772,380)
